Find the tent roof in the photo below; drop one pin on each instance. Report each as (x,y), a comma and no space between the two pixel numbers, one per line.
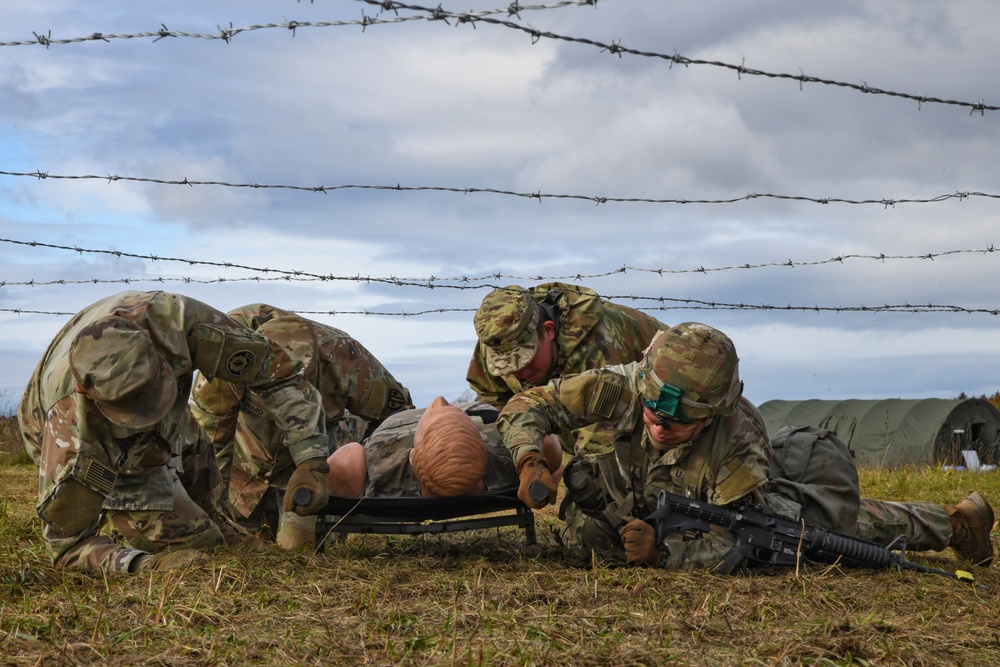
(888,432)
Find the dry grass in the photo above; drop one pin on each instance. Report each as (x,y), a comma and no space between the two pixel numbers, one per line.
(484,598)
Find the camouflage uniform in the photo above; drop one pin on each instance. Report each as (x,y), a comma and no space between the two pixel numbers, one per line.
(150,484)
(590,333)
(728,462)
(356,391)
(387,453)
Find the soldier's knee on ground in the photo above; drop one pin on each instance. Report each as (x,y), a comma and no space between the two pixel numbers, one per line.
(71,508)
(159,531)
(208,539)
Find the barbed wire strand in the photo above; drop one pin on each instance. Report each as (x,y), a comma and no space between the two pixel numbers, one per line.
(438,281)
(227,34)
(683,304)
(616,48)
(884,202)
(439,14)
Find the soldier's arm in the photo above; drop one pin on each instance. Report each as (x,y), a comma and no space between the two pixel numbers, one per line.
(353,378)
(296,408)
(566,403)
(247,360)
(704,552)
(215,406)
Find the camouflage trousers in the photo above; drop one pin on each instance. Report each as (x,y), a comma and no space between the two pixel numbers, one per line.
(196,495)
(187,526)
(925,525)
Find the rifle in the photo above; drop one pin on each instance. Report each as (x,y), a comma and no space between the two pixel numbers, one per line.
(763,538)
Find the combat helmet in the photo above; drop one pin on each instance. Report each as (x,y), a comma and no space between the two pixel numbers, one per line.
(507,326)
(116,364)
(690,372)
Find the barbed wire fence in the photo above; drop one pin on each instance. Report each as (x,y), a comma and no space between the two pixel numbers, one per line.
(488,17)
(482,282)
(389,12)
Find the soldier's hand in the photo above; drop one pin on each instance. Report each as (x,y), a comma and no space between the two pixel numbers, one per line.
(309,476)
(169,560)
(639,540)
(537,488)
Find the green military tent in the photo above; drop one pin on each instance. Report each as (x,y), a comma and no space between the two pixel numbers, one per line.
(896,432)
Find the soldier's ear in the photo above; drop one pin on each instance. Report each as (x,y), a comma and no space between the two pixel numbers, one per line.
(549,330)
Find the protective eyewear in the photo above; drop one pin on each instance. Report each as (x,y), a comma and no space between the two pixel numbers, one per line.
(664,421)
(667,406)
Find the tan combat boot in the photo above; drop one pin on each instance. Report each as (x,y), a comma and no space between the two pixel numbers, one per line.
(971,523)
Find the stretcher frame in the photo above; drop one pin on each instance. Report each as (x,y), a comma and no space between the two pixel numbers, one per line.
(416,516)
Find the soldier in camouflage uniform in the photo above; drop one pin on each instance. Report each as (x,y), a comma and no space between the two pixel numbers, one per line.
(127,481)
(527,337)
(687,429)
(356,391)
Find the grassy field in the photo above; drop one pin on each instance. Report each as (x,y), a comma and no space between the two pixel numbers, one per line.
(485,598)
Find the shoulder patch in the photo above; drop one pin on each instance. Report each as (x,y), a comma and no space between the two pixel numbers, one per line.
(99,476)
(605,399)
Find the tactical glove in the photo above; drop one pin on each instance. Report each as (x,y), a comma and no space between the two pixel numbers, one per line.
(537,488)
(169,560)
(639,540)
(309,477)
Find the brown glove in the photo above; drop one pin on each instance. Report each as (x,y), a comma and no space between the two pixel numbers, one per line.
(169,560)
(537,488)
(309,477)
(639,538)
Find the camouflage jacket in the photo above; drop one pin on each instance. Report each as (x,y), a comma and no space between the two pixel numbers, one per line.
(87,464)
(726,462)
(387,453)
(349,380)
(592,333)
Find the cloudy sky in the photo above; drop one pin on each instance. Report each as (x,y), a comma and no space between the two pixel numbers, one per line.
(481,105)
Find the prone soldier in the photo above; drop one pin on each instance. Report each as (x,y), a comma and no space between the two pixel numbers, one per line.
(685,428)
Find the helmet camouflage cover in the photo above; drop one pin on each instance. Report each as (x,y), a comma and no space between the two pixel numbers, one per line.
(689,372)
(115,362)
(507,325)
